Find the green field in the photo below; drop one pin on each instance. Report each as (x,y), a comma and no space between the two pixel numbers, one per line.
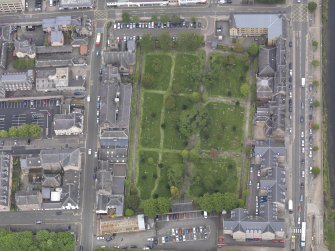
(151,116)
(225,127)
(187,73)
(213,175)
(173,139)
(147,173)
(227,74)
(159,67)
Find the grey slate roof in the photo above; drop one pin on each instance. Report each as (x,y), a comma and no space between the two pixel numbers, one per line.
(115,202)
(27,197)
(265,87)
(267,62)
(67,121)
(114,137)
(272,22)
(56,36)
(51,180)
(70,189)
(118,185)
(104,182)
(56,23)
(114,155)
(62,157)
(25,47)
(54,49)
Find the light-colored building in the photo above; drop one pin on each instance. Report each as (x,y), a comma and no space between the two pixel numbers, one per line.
(191,2)
(24,49)
(6,164)
(256,25)
(60,23)
(14,81)
(56,38)
(52,79)
(8,6)
(28,200)
(136,3)
(75,4)
(68,124)
(109,226)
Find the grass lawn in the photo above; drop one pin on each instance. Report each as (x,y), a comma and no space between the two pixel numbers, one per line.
(151,115)
(147,173)
(173,139)
(187,73)
(159,67)
(225,127)
(227,74)
(168,159)
(213,175)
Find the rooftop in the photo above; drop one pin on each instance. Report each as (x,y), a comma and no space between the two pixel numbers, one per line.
(67,121)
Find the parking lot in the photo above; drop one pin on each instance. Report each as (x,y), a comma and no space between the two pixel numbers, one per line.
(19,112)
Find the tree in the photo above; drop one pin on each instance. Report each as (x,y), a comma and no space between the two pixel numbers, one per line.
(192,121)
(136,19)
(163,205)
(188,41)
(316,171)
(174,192)
(13,132)
(315,126)
(316,103)
(196,96)
(312,6)
(253,50)
(35,131)
(24,131)
(238,48)
(129,212)
(154,18)
(175,175)
(244,89)
(193,19)
(315,63)
(315,148)
(133,202)
(149,207)
(185,154)
(175,18)
(165,40)
(125,17)
(315,83)
(165,18)
(3,134)
(206,203)
(147,43)
(315,43)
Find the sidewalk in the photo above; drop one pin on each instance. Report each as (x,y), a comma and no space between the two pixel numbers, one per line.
(315,203)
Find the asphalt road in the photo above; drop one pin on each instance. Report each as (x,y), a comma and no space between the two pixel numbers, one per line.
(299,63)
(89,197)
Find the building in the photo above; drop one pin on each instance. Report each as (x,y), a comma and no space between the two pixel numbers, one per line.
(56,38)
(109,226)
(264,88)
(110,204)
(113,138)
(68,124)
(3,55)
(256,25)
(59,23)
(51,180)
(267,62)
(52,79)
(7,6)
(136,3)
(191,2)
(70,190)
(56,159)
(28,200)
(24,49)
(75,4)
(14,81)
(83,49)
(6,167)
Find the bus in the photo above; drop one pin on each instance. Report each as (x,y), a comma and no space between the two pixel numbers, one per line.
(303,234)
(303,81)
(98,39)
(290,206)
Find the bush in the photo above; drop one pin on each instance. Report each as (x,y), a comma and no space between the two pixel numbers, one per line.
(312,6)
(24,63)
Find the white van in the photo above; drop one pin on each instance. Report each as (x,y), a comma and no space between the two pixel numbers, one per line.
(50,3)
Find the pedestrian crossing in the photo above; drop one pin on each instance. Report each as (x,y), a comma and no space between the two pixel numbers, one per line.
(299,13)
(101,14)
(297,230)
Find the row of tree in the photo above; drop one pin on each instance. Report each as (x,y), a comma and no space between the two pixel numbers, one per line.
(153,207)
(42,241)
(217,202)
(186,41)
(23,131)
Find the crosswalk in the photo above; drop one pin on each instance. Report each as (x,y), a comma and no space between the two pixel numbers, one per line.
(297,230)
(100,14)
(299,13)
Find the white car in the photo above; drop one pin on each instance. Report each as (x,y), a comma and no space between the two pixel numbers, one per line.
(303,174)
(163,239)
(258,185)
(259,173)
(303,150)
(302,134)
(89,152)
(310,154)
(173,232)
(310,131)
(95,154)
(302,143)
(291,72)
(310,169)
(299,221)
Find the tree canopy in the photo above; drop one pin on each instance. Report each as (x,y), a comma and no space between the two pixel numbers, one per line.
(219,201)
(312,6)
(23,131)
(42,241)
(152,207)
(188,41)
(253,49)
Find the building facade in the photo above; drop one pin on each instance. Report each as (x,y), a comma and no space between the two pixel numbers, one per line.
(7,6)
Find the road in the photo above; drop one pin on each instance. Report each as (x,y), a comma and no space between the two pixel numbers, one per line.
(298,57)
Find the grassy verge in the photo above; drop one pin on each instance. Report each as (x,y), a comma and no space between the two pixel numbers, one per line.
(16,182)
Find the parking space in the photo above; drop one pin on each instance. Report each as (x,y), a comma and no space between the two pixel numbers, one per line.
(18,112)
(196,234)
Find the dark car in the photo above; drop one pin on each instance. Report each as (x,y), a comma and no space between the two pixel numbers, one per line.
(290,44)
(290,65)
(180,238)
(302,161)
(302,119)
(109,238)
(59,213)
(290,79)
(28,141)
(199,25)
(100,71)
(290,87)
(133,246)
